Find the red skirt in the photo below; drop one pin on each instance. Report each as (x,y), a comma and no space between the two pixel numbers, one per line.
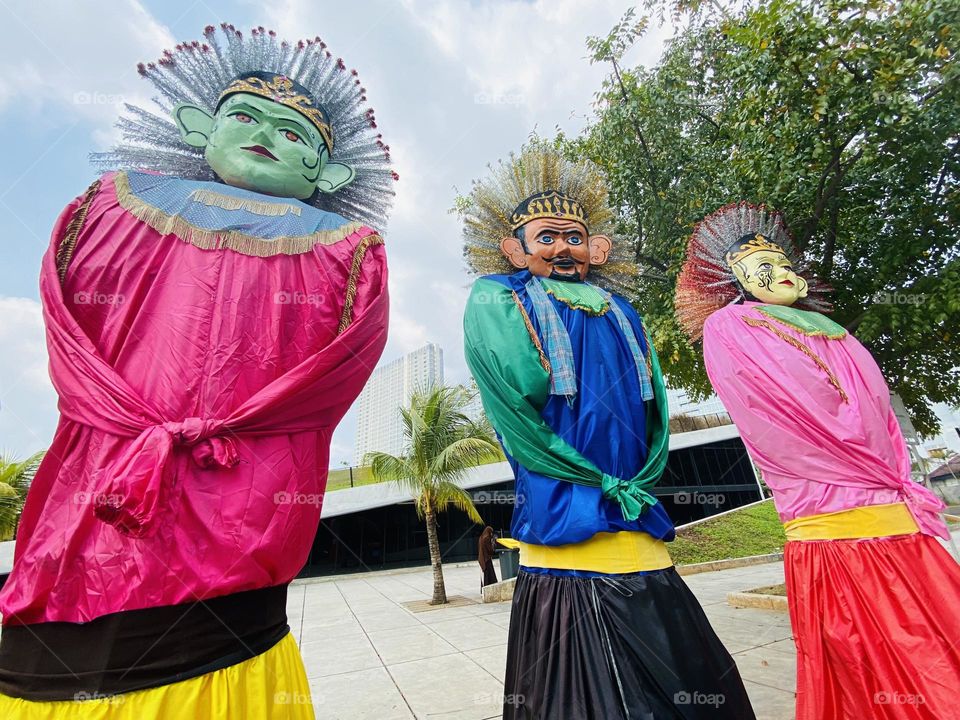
(877,628)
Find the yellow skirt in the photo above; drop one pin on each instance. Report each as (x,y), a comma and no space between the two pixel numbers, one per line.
(270,685)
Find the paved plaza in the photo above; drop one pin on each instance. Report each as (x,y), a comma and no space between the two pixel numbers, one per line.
(369,658)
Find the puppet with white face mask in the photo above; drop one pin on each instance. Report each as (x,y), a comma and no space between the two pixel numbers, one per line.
(865,572)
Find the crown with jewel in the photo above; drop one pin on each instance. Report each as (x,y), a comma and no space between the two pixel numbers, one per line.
(546,204)
(281,89)
(750,244)
(541,182)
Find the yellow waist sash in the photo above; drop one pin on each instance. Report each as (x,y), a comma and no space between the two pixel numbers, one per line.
(871,521)
(610,553)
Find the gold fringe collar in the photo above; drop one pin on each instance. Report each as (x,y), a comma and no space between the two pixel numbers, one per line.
(170,224)
(229,202)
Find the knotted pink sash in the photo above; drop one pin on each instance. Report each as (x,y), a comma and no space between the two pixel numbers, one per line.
(130,487)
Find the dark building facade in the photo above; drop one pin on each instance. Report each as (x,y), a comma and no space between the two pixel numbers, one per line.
(699,481)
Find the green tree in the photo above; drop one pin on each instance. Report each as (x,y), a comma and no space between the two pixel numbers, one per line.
(15,479)
(443,444)
(844,115)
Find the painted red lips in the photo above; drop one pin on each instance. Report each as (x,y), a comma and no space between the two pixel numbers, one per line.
(261,150)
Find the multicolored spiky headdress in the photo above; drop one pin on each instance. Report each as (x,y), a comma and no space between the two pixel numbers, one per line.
(202,72)
(540,182)
(707,283)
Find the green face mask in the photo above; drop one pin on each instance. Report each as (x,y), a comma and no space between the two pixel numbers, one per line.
(260,145)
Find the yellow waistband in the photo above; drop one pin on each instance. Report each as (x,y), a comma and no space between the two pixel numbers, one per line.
(612,553)
(871,521)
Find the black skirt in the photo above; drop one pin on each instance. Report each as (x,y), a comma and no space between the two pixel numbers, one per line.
(616,647)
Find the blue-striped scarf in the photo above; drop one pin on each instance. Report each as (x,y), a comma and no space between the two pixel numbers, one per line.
(563,379)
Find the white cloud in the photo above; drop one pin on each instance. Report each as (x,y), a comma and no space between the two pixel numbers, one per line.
(55,60)
(28,414)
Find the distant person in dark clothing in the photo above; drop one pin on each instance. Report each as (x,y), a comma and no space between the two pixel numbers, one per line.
(486,550)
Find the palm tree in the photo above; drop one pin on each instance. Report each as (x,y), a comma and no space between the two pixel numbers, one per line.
(15,478)
(442,444)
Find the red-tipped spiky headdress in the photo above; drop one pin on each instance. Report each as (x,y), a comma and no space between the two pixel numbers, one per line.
(707,283)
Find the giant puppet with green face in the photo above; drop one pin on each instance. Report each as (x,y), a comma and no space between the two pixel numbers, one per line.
(214,303)
(267,134)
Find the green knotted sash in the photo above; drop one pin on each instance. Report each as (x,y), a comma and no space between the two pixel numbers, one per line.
(514,386)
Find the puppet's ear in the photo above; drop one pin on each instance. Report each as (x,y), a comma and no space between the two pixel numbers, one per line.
(512,248)
(600,247)
(194,124)
(335,176)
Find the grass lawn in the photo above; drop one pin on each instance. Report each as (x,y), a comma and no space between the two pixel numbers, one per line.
(340,479)
(752,531)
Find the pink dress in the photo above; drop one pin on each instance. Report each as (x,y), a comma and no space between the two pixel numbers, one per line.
(873,639)
(823,433)
(200,382)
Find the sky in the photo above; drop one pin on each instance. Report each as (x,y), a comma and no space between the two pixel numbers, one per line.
(455,85)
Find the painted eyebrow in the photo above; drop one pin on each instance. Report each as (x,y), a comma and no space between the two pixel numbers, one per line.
(245,109)
(557,231)
(252,111)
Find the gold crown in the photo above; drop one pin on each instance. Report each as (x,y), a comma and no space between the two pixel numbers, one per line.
(548,204)
(280,89)
(755,244)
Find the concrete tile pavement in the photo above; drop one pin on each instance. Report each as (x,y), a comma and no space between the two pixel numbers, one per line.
(367,656)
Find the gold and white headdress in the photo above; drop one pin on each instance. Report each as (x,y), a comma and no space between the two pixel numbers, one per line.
(541,182)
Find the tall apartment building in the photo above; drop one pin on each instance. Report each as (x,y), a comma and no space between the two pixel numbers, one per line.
(390,387)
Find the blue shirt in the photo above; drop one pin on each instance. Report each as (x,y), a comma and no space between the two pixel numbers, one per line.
(606,423)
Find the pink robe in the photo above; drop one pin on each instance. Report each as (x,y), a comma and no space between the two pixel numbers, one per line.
(199,389)
(818,452)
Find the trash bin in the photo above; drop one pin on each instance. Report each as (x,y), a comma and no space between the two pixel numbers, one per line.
(509,563)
